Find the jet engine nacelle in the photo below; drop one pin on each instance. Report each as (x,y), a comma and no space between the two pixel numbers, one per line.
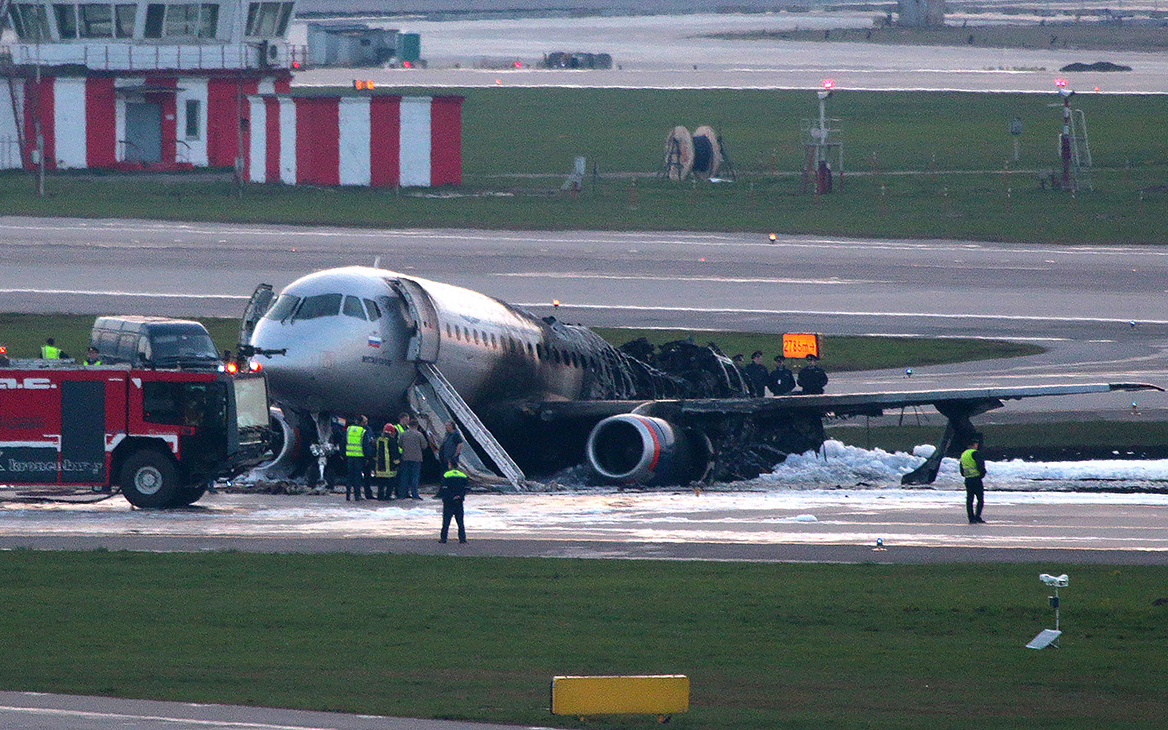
(636,449)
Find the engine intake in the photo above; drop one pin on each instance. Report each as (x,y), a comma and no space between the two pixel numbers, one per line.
(635,449)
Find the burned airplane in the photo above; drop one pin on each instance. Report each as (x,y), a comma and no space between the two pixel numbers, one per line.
(535,395)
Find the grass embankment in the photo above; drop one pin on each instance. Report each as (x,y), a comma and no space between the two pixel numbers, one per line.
(765,645)
(23,335)
(918,165)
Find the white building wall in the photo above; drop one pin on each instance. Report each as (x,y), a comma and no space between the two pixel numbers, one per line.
(193,89)
(354,128)
(258,149)
(287,140)
(69,121)
(415,141)
(9,139)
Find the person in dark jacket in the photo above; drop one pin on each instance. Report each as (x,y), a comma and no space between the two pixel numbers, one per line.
(973,468)
(453,495)
(782,380)
(756,375)
(812,378)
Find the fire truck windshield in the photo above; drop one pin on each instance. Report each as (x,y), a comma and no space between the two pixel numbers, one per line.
(203,405)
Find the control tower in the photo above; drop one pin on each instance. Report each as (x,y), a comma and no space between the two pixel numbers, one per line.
(137,85)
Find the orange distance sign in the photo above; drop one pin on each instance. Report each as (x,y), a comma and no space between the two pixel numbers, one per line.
(801,345)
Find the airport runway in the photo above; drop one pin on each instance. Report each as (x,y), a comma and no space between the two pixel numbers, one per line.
(1078,301)
(673,51)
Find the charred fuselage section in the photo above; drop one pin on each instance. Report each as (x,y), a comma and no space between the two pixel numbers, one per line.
(649,425)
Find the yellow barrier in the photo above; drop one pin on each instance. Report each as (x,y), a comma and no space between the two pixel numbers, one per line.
(666,694)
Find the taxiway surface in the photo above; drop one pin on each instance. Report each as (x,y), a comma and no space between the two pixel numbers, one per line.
(1078,301)
(676,51)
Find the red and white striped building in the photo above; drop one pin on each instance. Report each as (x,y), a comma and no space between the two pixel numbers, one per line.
(175,84)
(379,140)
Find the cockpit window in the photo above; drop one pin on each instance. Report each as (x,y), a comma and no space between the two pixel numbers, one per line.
(283,307)
(321,305)
(353,308)
(374,312)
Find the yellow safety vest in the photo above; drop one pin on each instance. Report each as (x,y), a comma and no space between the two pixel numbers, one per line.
(968,465)
(48,352)
(353,437)
(454,473)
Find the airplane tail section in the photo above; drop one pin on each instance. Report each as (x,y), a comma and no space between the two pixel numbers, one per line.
(435,397)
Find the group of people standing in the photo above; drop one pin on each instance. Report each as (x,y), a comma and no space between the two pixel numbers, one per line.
(811,379)
(393,461)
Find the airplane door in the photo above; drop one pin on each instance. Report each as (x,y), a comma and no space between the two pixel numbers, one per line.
(423,345)
(257,307)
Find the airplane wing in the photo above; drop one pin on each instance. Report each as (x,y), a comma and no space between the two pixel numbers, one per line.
(671,441)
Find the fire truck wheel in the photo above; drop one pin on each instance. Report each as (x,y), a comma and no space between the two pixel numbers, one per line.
(149,479)
(189,495)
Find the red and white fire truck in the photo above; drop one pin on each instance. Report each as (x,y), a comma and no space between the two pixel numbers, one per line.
(161,436)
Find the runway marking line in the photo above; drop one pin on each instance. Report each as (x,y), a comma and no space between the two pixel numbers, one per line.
(158,718)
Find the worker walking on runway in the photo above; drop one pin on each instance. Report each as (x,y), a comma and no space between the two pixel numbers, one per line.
(974,470)
(453,495)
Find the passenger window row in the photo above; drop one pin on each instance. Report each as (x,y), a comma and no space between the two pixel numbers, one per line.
(518,347)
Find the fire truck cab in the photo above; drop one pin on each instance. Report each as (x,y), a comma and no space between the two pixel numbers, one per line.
(160,436)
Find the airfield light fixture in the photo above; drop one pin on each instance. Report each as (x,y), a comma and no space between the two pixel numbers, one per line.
(407,64)
(773,238)
(1049,637)
(555,302)
(1061,83)
(829,83)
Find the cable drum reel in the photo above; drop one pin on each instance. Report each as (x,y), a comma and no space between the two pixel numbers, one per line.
(699,153)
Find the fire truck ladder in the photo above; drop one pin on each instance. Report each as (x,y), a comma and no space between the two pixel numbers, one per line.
(467,418)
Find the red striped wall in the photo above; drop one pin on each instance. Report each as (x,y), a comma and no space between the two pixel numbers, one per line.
(384,140)
(317,156)
(38,103)
(272,138)
(100,123)
(446,140)
(226,103)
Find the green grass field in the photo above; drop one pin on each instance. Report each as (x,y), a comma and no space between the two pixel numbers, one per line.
(918,165)
(23,334)
(765,645)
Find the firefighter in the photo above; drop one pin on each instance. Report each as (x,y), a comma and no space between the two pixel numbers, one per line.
(782,379)
(50,351)
(453,494)
(386,460)
(357,443)
(812,378)
(756,375)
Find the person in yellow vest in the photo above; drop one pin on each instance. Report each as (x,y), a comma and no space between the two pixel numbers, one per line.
(386,460)
(92,358)
(358,442)
(974,470)
(50,351)
(453,494)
